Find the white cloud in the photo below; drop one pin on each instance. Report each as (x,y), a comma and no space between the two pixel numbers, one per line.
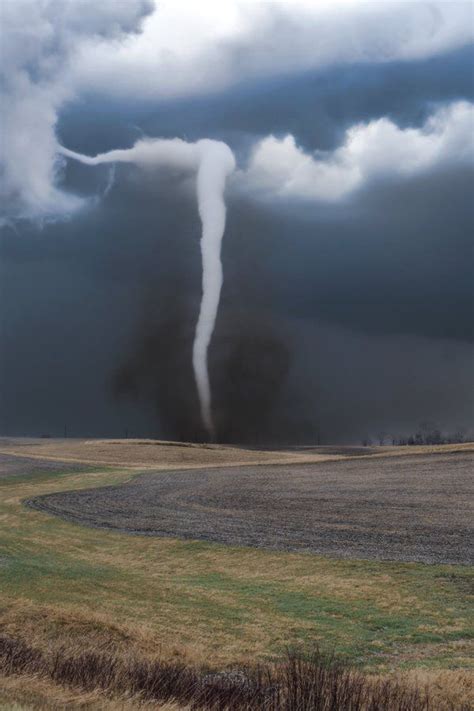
(38,43)
(370,151)
(193,47)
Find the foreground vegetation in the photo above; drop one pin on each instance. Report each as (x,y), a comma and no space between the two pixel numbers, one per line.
(88,591)
(298,683)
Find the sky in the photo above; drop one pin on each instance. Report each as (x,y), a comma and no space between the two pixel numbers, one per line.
(347,304)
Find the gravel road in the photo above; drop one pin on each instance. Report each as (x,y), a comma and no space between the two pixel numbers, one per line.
(411,508)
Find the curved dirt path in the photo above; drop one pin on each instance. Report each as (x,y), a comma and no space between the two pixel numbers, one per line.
(398,508)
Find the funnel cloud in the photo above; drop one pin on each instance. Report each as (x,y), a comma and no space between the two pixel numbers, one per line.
(213,161)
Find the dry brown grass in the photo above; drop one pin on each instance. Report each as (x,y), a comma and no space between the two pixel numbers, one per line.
(448,689)
(143,454)
(48,628)
(31,693)
(77,630)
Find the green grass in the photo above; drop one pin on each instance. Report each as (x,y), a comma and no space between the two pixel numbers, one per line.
(219,603)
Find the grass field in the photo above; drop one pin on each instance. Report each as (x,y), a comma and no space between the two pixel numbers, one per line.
(64,584)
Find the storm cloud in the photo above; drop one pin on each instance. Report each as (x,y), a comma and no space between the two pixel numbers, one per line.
(347,304)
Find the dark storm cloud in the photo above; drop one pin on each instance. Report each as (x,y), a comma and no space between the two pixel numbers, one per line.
(350,385)
(346,319)
(73,296)
(107,305)
(396,260)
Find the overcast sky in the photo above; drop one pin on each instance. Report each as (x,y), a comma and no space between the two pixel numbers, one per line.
(347,306)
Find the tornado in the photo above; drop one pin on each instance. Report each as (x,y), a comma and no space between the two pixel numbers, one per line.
(213,161)
(216,163)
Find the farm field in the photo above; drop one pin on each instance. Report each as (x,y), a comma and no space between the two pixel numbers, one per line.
(375,509)
(75,587)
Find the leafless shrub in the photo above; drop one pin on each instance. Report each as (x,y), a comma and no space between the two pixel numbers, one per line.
(299,683)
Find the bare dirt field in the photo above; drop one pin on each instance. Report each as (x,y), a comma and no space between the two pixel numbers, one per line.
(409,508)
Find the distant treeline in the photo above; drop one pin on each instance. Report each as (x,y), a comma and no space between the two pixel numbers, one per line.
(424,435)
